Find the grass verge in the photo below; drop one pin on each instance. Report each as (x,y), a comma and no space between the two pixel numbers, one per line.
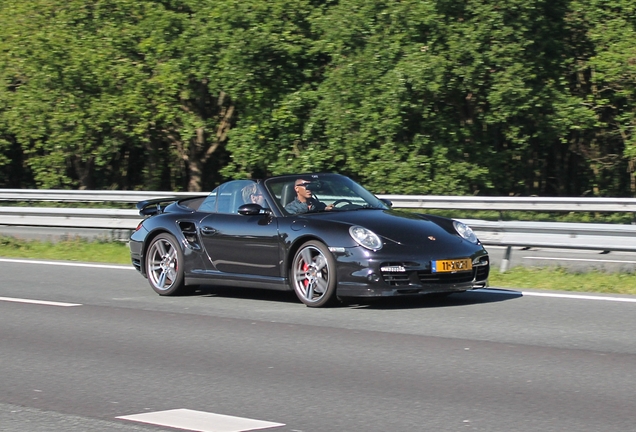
(560,279)
(552,278)
(66,250)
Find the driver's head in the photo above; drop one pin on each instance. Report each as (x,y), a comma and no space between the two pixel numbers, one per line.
(302,191)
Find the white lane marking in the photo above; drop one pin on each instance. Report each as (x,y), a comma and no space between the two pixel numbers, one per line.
(68,263)
(38,302)
(580,297)
(580,259)
(557,295)
(200,421)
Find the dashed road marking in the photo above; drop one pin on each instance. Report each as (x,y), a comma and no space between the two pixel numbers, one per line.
(200,421)
(38,302)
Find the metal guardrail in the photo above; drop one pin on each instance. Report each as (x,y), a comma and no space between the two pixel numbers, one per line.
(606,237)
(34,195)
(70,217)
(541,204)
(544,204)
(553,235)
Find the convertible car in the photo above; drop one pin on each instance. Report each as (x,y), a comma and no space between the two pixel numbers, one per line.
(347,244)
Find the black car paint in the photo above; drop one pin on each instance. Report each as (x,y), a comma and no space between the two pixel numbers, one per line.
(256,250)
(353,274)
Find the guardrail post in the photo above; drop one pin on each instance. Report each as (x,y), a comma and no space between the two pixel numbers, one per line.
(505,262)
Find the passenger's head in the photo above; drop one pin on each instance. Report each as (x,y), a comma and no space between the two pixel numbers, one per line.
(251,194)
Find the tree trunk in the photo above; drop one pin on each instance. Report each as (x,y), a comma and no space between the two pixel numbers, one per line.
(196,161)
(84,172)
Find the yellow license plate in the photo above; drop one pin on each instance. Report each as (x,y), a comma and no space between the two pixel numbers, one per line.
(448,266)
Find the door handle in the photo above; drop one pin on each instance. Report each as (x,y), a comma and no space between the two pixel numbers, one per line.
(206,230)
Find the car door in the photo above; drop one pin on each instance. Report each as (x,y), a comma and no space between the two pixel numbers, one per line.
(240,244)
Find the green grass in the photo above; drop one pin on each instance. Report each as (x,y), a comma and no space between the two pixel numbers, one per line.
(560,279)
(68,250)
(552,278)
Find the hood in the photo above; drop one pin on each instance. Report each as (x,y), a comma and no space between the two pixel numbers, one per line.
(396,226)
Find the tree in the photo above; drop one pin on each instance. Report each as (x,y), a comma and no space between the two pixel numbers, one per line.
(607,72)
(91,84)
(445,97)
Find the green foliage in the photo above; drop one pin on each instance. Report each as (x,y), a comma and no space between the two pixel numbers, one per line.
(91,84)
(66,88)
(516,97)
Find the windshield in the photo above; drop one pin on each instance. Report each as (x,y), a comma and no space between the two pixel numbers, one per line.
(320,192)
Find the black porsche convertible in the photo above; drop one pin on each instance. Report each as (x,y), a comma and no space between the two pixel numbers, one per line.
(321,235)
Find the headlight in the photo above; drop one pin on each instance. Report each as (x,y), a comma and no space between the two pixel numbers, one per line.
(365,238)
(465,231)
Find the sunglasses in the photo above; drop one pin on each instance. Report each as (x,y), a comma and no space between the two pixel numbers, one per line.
(303,184)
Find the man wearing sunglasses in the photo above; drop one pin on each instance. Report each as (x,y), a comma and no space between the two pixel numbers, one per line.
(304,201)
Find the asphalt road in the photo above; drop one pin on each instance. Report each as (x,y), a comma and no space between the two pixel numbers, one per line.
(230,360)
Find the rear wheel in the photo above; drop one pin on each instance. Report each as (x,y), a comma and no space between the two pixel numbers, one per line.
(164,265)
(313,274)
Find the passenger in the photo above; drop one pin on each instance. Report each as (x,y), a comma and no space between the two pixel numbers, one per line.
(251,195)
(304,201)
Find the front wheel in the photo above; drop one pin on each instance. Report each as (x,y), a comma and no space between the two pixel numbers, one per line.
(164,265)
(313,274)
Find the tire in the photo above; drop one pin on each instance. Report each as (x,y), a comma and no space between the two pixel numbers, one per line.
(313,274)
(164,266)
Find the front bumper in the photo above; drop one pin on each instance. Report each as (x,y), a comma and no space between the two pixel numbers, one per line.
(363,273)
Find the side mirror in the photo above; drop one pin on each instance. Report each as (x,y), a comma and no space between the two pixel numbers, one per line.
(387,202)
(251,209)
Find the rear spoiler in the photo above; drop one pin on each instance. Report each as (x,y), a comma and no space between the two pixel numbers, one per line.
(154,206)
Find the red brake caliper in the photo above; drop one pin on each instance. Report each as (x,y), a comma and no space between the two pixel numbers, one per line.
(305,268)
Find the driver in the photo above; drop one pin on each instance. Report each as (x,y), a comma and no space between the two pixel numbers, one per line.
(304,201)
